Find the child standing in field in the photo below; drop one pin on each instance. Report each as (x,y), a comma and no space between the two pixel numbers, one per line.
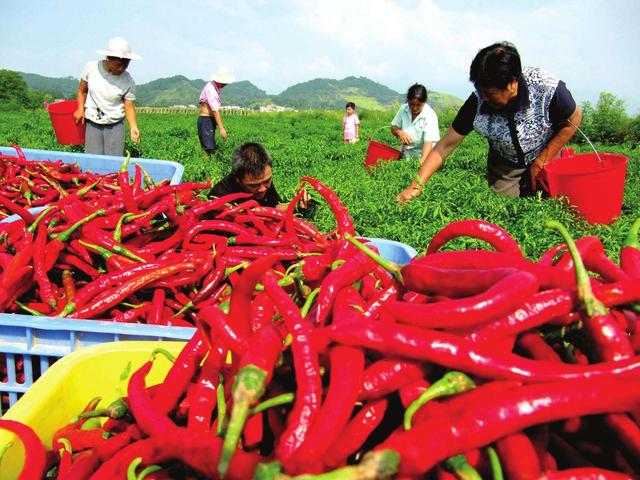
(351,124)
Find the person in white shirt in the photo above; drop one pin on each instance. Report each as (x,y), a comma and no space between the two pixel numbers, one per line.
(106,96)
(416,124)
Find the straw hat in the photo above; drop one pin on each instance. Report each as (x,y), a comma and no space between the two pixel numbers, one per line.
(119,47)
(223,75)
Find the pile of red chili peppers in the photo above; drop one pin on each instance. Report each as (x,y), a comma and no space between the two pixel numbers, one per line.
(315,358)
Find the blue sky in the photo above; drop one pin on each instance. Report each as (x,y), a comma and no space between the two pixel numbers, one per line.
(591,44)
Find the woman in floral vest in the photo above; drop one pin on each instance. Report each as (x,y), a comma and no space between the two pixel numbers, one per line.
(526,114)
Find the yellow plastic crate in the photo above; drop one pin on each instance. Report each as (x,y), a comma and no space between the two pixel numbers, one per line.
(65,388)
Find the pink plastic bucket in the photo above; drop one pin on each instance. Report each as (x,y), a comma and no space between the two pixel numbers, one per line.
(64,126)
(596,190)
(377,151)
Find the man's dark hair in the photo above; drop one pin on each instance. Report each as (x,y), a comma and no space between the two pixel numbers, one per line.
(350,104)
(251,159)
(417,92)
(495,66)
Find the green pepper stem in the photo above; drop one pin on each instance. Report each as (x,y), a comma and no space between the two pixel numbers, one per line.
(148,471)
(282,399)
(461,468)
(221,406)
(131,469)
(451,383)
(632,236)
(591,304)
(29,310)
(391,267)
(376,465)
(66,235)
(164,352)
(248,386)
(32,228)
(496,466)
(309,302)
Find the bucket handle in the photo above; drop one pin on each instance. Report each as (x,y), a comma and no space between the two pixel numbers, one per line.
(587,139)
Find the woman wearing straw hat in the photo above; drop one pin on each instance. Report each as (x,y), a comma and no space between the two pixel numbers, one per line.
(106,96)
(210,104)
(526,114)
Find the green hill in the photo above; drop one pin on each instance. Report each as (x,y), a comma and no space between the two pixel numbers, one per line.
(320,93)
(64,87)
(327,93)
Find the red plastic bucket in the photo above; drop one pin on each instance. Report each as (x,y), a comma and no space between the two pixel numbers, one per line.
(595,190)
(64,126)
(377,151)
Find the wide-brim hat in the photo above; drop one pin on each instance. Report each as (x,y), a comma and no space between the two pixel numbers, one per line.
(223,75)
(119,47)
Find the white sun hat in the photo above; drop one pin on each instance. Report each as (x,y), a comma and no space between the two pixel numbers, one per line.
(223,75)
(119,47)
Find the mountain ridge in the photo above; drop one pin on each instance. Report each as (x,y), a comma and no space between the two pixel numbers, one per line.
(317,93)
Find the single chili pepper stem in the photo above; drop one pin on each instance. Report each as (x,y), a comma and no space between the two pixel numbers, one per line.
(131,469)
(221,406)
(592,305)
(496,467)
(376,465)
(148,471)
(304,311)
(451,383)
(282,399)
(32,228)
(30,311)
(249,385)
(165,353)
(461,468)
(632,236)
(389,266)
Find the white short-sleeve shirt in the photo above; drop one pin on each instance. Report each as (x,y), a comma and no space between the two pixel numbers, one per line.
(107,93)
(424,128)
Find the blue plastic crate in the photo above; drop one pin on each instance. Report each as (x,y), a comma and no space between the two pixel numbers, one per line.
(37,342)
(157,169)
(397,252)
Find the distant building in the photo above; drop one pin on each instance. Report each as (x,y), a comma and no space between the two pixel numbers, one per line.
(272,107)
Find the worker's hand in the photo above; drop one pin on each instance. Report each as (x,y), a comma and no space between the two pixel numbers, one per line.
(135,134)
(404,137)
(536,170)
(78,116)
(305,201)
(412,191)
(223,133)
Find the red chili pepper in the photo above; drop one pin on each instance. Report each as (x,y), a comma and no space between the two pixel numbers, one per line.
(215,324)
(355,433)
(116,295)
(204,397)
(540,309)
(495,236)
(351,271)
(549,277)
(498,300)
(35,455)
(458,353)
(180,374)
(340,212)
(81,439)
(347,368)
(479,424)
(307,372)
(47,289)
(303,227)
(242,293)
(584,473)
(261,311)
(592,252)
(149,419)
(630,252)
(518,456)
(199,451)
(16,209)
(388,375)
